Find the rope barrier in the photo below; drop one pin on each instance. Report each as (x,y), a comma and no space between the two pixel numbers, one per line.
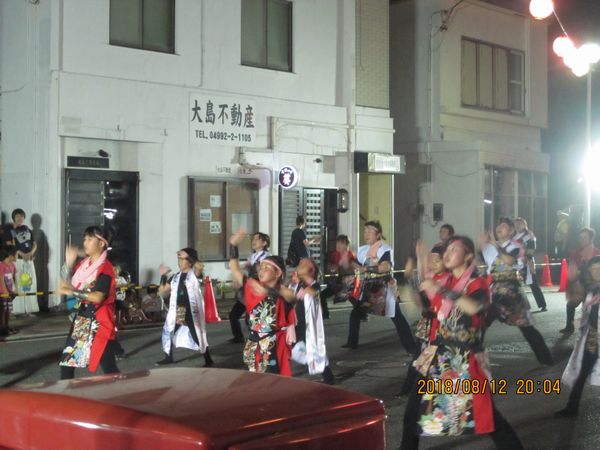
(367,275)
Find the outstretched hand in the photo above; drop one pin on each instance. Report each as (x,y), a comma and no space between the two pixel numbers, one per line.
(71,253)
(237,238)
(164,269)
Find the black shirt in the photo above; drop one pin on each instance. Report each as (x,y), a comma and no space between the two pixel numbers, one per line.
(102,284)
(23,238)
(182,294)
(297,241)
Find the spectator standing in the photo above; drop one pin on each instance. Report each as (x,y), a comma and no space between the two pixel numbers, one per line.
(21,237)
(299,243)
(7,288)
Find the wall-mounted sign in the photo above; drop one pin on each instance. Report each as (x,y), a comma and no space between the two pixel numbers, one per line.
(222,121)
(288,177)
(87,161)
(379,163)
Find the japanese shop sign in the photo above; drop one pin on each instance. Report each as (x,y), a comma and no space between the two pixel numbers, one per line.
(222,121)
(288,177)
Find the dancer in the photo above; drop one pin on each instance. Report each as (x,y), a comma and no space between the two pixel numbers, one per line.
(577,261)
(340,280)
(185,325)
(92,283)
(527,239)
(583,363)
(504,259)
(310,333)
(429,266)
(446,233)
(378,295)
(270,311)
(455,361)
(260,250)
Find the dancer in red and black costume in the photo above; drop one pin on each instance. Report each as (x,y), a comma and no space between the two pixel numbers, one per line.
(92,282)
(456,354)
(270,309)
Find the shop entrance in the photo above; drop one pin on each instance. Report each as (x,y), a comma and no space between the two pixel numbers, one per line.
(319,208)
(98,197)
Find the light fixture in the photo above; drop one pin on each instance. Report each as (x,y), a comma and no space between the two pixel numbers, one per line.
(562,46)
(540,9)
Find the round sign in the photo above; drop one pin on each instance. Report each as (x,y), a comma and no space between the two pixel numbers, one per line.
(288,177)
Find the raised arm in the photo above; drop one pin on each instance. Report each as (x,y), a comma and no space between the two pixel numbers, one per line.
(234,264)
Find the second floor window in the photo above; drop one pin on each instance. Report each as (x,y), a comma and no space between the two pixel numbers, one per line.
(144,24)
(267,34)
(492,77)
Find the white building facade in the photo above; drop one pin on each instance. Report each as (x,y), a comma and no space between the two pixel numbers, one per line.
(171,121)
(469,98)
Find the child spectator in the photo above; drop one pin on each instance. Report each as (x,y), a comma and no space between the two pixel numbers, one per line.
(7,287)
(152,304)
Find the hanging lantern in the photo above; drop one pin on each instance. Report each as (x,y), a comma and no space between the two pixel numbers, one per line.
(540,9)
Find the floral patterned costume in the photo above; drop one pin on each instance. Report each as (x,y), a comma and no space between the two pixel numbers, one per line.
(509,303)
(266,349)
(459,359)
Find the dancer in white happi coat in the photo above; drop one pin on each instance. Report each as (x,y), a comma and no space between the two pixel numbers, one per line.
(310,333)
(185,325)
(378,296)
(583,363)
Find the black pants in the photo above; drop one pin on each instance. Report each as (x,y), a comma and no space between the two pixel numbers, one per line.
(402,328)
(570,316)
(538,295)
(504,436)
(531,335)
(107,363)
(237,311)
(537,344)
(587,365)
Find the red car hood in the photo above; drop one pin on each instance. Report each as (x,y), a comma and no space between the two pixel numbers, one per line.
(213,408)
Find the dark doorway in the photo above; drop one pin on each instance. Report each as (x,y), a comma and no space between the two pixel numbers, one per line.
(106,198)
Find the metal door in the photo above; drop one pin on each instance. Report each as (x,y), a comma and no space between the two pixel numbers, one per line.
(95,197)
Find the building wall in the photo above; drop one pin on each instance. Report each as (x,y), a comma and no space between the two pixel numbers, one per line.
(450,144)
(135,105)
(372,43)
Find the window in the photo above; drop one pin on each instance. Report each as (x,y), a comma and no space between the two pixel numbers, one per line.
(217,209)
(267,34)
(144,24)
(512,193)
(492,77)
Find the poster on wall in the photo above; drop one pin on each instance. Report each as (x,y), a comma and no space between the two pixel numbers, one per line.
(205,215)
(215,227)
(215,201)
(222,120)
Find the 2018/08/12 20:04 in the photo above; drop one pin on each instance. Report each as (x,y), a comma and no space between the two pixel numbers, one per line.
(522,386)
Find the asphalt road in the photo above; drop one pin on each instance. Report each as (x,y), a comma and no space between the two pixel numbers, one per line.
(377,368)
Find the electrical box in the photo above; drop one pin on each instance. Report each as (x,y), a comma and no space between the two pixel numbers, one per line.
(438,212)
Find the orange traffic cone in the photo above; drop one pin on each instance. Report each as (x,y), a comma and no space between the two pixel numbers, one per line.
(211,314)
(546,277)
(564,276)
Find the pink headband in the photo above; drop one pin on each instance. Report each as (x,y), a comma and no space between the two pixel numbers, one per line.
(102,239)
(275,266)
